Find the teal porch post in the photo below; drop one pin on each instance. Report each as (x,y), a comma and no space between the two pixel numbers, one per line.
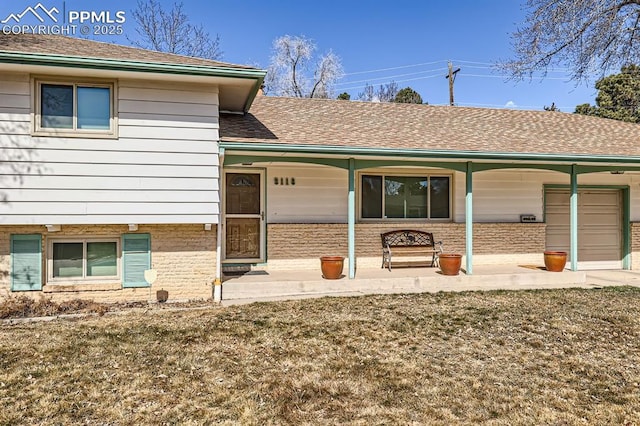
(468,217)
(352,218)
(573,219)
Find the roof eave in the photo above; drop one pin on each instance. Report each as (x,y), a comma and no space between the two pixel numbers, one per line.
(36,59)
(126,65)
(425,153)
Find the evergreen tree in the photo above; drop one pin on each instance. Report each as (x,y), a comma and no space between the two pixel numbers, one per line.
(618,96)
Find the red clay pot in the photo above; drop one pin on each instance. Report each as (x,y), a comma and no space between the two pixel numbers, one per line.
(450,263)
(555,261)
(331,267)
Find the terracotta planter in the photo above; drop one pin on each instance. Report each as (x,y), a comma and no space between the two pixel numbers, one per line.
(331,267)
(555,261)
(450,263)
(162,295)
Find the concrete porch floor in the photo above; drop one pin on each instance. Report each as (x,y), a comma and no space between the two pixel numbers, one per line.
(296,284)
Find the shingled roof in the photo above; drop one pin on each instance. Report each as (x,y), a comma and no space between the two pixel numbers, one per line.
(77,47)
(408,126)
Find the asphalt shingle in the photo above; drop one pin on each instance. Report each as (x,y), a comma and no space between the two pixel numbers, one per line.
(77,47)
(409,126)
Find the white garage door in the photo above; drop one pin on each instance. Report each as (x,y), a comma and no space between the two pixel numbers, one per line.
(599,226)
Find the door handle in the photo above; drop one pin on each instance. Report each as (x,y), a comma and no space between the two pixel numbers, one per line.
(261,215)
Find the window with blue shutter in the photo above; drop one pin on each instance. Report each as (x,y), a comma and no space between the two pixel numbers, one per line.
(26,262)
(136,258)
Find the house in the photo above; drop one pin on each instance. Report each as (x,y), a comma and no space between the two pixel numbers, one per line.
(499,186)
(118,160)
(110,167)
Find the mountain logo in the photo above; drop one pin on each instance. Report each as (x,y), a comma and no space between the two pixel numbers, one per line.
(38,11)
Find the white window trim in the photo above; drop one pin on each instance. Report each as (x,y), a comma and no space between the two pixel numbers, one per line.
(428,174)
(36,107)
(76,280)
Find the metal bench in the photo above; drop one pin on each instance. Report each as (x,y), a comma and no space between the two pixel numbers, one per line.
(407,242)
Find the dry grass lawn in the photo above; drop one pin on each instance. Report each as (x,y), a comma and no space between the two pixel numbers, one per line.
(503,358)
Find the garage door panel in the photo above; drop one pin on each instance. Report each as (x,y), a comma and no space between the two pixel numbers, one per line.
(594,221)
(599,226)
(599,198)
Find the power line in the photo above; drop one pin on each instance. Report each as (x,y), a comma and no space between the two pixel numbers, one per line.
(390,76)
(394,68)
(397,81)
(508,76)
(472,62)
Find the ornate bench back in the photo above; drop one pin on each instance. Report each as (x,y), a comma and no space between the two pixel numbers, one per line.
(407,238)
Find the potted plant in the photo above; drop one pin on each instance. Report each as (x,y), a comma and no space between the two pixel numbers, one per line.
(331,267)
(555,261)
(450,263)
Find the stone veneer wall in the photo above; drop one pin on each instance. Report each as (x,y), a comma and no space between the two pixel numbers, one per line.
(293,246)
(183,255)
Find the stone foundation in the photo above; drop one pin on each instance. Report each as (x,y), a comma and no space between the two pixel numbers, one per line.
(183,255)
(299,246)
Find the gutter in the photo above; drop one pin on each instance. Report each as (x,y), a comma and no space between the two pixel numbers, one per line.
(22,58)
(425,153)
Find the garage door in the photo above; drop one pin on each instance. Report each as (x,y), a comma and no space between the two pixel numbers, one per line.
(599,226)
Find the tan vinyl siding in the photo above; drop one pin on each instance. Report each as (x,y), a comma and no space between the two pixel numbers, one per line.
(318,196)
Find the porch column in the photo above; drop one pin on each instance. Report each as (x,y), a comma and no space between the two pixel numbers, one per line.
(352,218)
(573,218)
(468,217)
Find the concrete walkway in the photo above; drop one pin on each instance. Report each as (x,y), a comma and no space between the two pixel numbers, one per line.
(286,285)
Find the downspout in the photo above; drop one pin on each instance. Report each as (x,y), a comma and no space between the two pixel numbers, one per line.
(217,284)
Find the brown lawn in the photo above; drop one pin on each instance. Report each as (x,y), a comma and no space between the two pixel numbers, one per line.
(503,358)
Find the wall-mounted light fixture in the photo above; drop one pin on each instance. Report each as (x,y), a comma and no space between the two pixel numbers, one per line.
(53,228)
(133,227)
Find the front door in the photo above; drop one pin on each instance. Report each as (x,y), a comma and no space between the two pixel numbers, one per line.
(244,216)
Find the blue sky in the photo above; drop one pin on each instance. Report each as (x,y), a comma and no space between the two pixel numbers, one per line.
(390,37)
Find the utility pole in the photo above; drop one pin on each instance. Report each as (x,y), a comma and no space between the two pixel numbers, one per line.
(452,78)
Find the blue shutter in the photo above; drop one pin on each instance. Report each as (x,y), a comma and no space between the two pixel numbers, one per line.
(26,262)
(136,258)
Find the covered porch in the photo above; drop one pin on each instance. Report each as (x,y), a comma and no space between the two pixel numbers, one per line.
(458,232)
(335,175)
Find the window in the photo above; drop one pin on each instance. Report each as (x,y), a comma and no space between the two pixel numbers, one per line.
(74,109)
(83,259)
(405,197)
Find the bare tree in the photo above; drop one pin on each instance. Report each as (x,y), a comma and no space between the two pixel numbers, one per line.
(583,35)
(289,73)
(368,94)
(171,31)
(385,93)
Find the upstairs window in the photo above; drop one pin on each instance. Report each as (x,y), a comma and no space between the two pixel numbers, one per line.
(72,109)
